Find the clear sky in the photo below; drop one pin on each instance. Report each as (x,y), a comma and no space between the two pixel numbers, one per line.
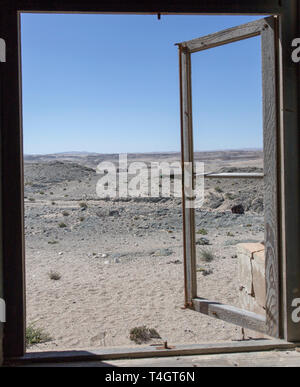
(110,84)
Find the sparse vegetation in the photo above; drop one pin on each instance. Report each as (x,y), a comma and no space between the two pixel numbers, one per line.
(206,255)
(52,242)
(218,189)
(35,335)
(42,193)
(143,334)
(202,231)
(230,234)
(229,196)
(107,239)
(204,271)
(54,275)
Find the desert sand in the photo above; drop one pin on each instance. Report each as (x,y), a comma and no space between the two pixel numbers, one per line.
(120,262)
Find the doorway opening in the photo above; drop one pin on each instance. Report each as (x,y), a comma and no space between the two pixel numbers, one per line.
(102,272)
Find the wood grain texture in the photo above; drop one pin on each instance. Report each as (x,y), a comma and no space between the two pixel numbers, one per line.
(148,352)
(187,156)
(290,167)
(266,28)
(231,314)
(233,175)
(12,190)
(1,202)
(133,6)
(229,35)
(270,136)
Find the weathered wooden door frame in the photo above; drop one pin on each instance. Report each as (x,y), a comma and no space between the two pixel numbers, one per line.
(267,29)
(12,231)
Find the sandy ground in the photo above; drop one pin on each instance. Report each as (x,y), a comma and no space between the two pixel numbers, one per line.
(120,262)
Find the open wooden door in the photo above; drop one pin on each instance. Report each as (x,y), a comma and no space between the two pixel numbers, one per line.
(268,324)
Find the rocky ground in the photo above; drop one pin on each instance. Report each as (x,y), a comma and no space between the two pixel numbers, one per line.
(119,262)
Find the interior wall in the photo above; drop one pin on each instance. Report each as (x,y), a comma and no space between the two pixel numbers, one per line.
(1,247)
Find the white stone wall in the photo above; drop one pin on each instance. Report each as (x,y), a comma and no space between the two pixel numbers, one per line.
(251,278)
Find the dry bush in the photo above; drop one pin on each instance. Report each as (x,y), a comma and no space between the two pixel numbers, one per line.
(206,255)
(54,275)
(143,334)
(35,336)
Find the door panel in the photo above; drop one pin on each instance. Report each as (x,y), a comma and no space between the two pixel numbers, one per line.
(267,29)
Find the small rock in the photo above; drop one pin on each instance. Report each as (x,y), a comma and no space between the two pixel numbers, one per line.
(60,253)
(207,272)
(113,213)
(175,262)
(103,255)
(238,209)
(163,252)
(202,241)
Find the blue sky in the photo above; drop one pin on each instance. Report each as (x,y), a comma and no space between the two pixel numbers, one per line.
(110,84)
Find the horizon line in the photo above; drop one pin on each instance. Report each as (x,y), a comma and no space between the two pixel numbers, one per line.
(149,152)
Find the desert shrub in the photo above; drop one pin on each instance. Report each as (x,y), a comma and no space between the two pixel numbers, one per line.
(81,218)
(54,275)
(230,234)
(42,193)
(143,334)
(202,231)
(218,189)
(229,196)
(52,242)
(62,225)
(32,199)
(204,271)
(206,255)
(65,213)
(35,336)
(82,205)
(53,203)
